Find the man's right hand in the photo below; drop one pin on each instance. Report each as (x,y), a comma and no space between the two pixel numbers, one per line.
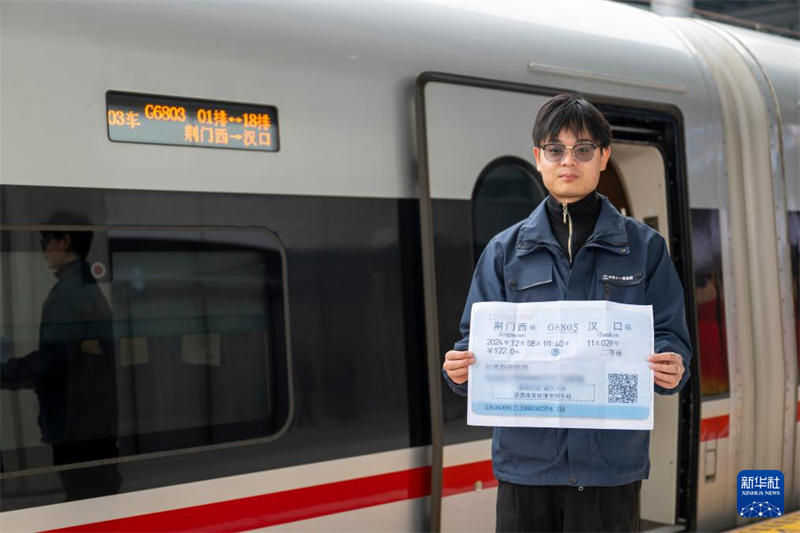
(456,364)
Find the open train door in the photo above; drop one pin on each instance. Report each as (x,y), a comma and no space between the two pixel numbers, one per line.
(477,177)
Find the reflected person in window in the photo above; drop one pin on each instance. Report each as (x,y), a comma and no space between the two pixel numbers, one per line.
(73,373)
(576,479)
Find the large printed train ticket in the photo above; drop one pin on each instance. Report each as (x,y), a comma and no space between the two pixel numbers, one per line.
(568,364)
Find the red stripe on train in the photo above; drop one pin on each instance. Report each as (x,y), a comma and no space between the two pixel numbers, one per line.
(714,428)
(311,502)
(462,478)
(300,504)
(718,427)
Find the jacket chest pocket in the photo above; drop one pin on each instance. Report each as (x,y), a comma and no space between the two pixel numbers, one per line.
(622,286)
(531,284)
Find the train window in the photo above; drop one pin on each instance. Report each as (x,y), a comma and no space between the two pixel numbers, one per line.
(710,301)
(123,342)
(507,191)
(794,244)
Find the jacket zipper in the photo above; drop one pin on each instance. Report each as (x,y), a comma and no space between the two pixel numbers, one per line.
(568,217)
(608,291)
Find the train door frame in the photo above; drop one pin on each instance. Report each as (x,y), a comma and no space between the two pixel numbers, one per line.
(633,121)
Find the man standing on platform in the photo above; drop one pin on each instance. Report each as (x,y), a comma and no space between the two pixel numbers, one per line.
(576,246)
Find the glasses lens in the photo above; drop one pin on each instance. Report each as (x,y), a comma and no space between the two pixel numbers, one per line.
(554,152)
(583,152)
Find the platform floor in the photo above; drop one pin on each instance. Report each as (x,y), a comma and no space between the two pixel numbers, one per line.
(784,524)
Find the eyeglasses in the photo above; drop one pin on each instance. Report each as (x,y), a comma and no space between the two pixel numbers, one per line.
(43,242)
(556,152)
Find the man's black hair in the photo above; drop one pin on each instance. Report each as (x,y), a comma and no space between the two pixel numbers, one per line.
(572,113)
(80,241)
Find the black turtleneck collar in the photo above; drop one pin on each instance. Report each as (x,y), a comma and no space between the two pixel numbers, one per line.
(584,211)
(572,232)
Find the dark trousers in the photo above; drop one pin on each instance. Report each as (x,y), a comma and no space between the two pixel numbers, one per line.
(549,508)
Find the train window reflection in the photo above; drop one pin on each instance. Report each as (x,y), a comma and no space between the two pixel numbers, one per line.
(507,191)
(794,244)
(146,341)
(710,301)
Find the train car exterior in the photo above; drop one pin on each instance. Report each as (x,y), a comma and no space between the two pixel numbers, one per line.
(280,312)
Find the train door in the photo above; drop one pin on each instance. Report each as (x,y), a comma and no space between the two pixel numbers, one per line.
(478,177)
(755,427)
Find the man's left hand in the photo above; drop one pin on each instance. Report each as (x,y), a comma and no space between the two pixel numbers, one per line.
(668,369)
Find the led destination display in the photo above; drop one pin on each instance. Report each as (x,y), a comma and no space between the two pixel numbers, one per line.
(150,119)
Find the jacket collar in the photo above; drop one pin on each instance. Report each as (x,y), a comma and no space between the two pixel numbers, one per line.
(75,268)
(609,231)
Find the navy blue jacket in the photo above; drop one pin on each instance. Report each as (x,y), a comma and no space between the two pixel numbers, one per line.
(624,261)
(74,370)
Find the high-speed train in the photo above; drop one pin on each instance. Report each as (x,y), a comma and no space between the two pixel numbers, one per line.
(283,205)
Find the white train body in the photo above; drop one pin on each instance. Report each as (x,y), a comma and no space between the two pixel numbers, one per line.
(390,117)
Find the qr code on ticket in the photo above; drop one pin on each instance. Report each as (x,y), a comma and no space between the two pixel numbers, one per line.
(623,388)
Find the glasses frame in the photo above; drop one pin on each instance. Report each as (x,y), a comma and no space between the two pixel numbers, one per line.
(44,241)
(544,147)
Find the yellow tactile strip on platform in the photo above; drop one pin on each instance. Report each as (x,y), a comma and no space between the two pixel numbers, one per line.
(789,523)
